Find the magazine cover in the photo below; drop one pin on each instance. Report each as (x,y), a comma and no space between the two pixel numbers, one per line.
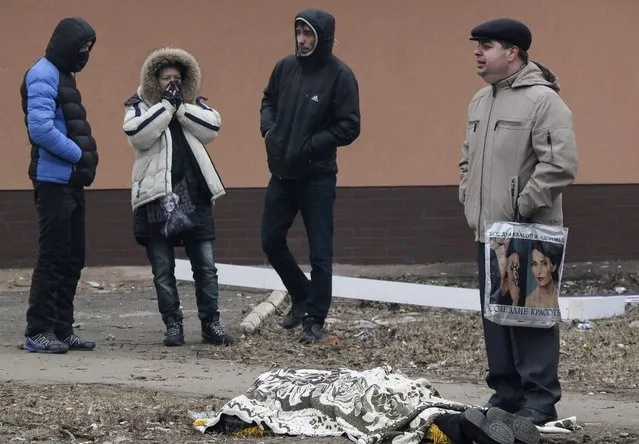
(524,266)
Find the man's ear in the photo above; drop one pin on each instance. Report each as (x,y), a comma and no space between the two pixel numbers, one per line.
(513,52)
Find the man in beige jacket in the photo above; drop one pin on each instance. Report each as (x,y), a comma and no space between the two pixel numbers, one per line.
(518,157)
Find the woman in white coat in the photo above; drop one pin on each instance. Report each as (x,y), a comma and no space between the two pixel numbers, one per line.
(175,184)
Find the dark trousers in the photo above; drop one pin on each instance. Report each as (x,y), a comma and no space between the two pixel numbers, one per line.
(314,199)
(161,256)
(523,362)
(60,259)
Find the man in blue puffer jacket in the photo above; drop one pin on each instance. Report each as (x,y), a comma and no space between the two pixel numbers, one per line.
(64,159)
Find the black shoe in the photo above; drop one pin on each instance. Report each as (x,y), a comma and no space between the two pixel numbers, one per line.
(295,315)
(45,342)
(312,330)
(535,416)
(478,428)
(524,430)
(174,335)
(213,333)
(76,343)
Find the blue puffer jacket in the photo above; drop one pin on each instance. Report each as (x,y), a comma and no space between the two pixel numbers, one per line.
(63,149)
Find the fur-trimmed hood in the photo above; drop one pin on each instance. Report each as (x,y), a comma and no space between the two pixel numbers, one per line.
(192,77)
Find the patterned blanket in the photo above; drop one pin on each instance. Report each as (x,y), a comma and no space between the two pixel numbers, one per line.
(367,406)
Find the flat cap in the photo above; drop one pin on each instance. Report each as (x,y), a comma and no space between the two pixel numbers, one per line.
(507,30)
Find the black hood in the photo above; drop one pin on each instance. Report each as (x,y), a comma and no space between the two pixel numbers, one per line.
(69,36)
(323,24)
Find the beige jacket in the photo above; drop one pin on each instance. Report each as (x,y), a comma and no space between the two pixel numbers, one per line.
(146,125)
(520,151)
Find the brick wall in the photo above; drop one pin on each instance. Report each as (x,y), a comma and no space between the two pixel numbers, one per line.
(395,225)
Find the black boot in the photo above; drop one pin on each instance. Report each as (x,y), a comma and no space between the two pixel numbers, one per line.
(294,317)
(174,335)
(213,333)
(312,330)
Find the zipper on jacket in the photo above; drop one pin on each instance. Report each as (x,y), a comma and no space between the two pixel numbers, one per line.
(549,140)
(483,158)
(512,123)
(168,160)
(513,193)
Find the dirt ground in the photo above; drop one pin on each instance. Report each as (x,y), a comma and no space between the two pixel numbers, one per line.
(132,389)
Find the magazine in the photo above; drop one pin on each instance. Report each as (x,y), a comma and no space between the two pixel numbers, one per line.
(524,266)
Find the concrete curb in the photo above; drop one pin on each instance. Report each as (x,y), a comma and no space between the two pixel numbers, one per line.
(255,318)
(572,307)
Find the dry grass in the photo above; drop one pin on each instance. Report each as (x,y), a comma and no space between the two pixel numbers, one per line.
(442,344)
(110,415)
(93,413)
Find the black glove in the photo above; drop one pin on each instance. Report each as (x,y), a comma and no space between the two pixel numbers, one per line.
(173,93)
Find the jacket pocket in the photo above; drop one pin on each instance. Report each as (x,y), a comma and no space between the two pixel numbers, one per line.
(141,166)
(545,145)
(512,124)
(510,138)
(472,129)
(471,133)
(298,155)
(274,147)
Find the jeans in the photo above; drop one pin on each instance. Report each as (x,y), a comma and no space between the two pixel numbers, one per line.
(523,362)
(202,257)
(314,199)
(60,259)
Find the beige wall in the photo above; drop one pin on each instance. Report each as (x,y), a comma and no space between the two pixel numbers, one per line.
(412,58)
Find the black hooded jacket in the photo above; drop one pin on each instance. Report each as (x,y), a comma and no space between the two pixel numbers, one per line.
(310,106)
(63,149)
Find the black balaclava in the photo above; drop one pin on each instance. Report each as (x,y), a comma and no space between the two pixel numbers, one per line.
(68,38)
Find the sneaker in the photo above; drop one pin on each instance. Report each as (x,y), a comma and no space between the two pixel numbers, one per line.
(45,342)
(312,331)
(524,430)
(213,333)
(76,343)
(478,428)
(174,335)
(294,317)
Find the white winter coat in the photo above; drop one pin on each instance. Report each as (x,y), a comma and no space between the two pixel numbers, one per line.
(146,125)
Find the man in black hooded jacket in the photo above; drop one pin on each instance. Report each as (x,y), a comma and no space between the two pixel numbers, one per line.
(64,159)
(310,107)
